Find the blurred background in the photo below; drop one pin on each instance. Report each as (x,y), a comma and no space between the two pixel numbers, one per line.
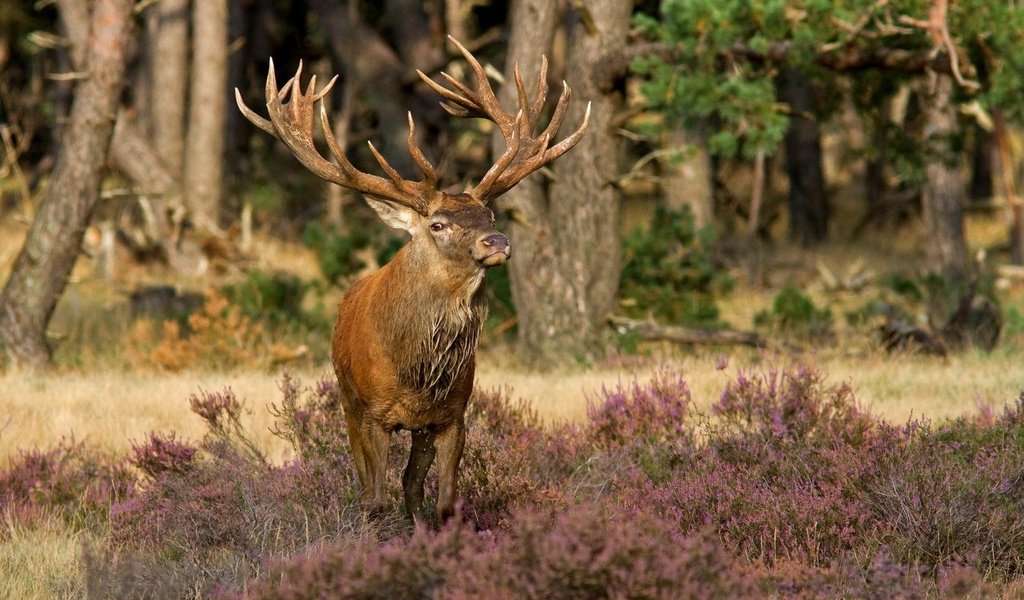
(789,175)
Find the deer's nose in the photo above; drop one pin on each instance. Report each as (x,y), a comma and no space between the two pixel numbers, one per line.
(497,242)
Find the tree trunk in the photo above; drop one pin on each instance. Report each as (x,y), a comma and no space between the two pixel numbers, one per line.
(689,183)
(40,272)
(532,29)
(1009,187)
(566,270)
(170,84)
(943,191)
(411,27)
(808,203)
(982,168)
(376,71)
(204,158)
(130,151)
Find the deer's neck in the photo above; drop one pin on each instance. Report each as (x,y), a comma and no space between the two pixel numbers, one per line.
(434,340)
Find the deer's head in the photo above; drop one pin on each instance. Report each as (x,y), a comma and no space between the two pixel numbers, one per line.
(452,230)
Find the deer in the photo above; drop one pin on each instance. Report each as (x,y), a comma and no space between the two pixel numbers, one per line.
(404,347)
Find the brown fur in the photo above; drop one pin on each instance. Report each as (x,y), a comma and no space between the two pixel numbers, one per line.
(404,352)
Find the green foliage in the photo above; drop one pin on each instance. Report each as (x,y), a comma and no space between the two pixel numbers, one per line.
(278,299)
(336,251)
(794,313)
(904,286)
(727,55)
(501,308)
(1014,321)
(668,271)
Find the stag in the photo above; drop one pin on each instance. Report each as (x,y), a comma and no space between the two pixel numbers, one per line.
(404,348)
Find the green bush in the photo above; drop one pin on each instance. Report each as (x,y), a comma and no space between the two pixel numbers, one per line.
(794,313)
(668,271)
(277,299)
(336,251)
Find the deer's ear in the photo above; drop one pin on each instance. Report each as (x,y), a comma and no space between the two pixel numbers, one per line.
(393,214)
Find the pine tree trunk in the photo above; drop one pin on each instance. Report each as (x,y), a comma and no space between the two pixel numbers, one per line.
(565,273)
(532,25)
(204,157)
(689,183)
(943,193)
(41,270)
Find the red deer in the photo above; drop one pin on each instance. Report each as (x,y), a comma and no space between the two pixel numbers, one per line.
(405,344)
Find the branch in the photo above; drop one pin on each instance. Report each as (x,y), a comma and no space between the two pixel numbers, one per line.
(651,330)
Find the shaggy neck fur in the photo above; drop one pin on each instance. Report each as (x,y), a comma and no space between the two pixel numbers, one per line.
(444,313)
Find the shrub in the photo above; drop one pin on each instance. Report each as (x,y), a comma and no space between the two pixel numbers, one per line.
(668,271)
(212,514)
(794,313)
(793,404)
(954,495)
(342,254)
(788,489)
(582,553)
(504,465)
(77,483)
(219,336)
(277,299)
(162,454)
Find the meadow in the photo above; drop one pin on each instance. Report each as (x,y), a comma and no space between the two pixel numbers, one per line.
(155,464)
(697,476)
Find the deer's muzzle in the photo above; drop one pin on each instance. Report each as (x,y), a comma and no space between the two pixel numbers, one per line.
(493,250)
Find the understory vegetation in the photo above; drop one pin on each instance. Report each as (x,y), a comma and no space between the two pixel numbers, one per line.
(786,487)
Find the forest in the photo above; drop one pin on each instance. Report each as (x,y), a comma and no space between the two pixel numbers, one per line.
(759,332)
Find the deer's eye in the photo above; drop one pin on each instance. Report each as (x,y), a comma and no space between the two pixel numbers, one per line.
(436,226)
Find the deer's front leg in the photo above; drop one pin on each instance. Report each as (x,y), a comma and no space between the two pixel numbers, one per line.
(355,439)
(375,442)
(420,458)
(449,443)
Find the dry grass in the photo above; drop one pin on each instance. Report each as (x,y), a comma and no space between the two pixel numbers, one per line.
(43,562)
(112,409)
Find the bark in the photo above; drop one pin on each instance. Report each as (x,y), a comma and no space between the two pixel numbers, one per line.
(982,166)
(1009,188)
(170,84)
(874,169)
(204,157)
(375,69)
(131,153)
(411,32)
(566,270)
(689,183)
(40,272)
(943,191)
(532,24)
(808,204)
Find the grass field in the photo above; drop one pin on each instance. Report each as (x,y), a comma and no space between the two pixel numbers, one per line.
(110,410)
(98,400)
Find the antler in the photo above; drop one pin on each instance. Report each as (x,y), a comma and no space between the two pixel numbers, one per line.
(292,122)
(524,153)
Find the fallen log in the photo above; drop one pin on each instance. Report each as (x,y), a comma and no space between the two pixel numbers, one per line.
(654,331)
